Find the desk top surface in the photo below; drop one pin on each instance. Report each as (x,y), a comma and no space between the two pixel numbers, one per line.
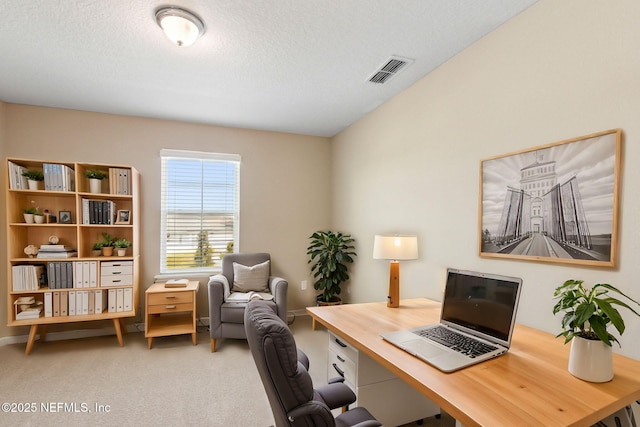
(528,386)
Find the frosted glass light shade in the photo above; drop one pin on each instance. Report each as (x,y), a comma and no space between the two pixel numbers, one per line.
(179,25)
(395,247)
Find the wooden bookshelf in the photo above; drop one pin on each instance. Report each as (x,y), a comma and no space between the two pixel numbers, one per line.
(66,194)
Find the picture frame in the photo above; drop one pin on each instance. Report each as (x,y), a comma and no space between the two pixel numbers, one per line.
(64,217)
(554,203)
(123,217)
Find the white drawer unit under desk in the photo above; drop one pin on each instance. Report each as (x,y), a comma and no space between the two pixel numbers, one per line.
(392,401)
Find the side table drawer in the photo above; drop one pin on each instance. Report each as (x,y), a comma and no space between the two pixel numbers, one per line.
(170,298)
(170,308)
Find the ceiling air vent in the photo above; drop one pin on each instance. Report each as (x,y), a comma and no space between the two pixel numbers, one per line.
(389,69)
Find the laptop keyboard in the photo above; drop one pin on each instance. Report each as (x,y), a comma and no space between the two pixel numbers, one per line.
(455,341)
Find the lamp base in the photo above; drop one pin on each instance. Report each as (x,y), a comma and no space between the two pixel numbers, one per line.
(393,300)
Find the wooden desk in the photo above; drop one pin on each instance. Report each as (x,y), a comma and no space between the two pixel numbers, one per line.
(528,386)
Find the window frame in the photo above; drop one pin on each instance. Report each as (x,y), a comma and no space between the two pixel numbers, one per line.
(166,154)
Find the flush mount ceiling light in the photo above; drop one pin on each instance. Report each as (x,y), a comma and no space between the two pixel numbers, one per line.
(181,26)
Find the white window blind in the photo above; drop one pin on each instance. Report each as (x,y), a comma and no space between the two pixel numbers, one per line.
(200,209)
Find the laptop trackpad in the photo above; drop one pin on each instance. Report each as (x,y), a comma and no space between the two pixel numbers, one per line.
(423,349)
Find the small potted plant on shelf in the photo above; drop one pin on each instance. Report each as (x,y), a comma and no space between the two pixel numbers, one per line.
(96,249)
(588,312)
(121,246)
(329,253)
(95,179)
(34,176)
(107,244)
(29,214)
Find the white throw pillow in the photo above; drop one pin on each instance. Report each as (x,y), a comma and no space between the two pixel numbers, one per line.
(247,279)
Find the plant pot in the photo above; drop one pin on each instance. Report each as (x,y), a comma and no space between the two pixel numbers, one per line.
(121,251)
(39,219)
(96,252)
(334,301)
(107,251)
(95,185)
(591,360)
(33,184)
(28,218)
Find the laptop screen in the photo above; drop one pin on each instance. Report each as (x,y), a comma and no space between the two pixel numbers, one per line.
(481,303)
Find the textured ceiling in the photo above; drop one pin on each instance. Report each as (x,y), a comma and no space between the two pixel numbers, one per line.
(298,66)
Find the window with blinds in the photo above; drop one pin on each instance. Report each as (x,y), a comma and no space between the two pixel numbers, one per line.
(200,209)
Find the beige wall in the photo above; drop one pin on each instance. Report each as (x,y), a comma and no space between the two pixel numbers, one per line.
(559,70)
(3,233)
(285,185)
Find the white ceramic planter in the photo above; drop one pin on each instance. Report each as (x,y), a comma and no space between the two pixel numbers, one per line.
(591,360)
(95,185)
(121,251)
(28,218)
(33,184)
(39,219)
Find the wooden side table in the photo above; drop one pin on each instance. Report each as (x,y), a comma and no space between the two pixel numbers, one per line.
(170,311)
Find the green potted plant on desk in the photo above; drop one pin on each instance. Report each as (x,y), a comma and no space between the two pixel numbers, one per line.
(588,312)
(329,253)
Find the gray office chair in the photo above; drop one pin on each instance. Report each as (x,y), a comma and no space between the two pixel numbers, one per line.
(226,318)
(294,402)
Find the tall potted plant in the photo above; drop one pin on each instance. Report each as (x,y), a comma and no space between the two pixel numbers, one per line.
(329,253)
(588,312)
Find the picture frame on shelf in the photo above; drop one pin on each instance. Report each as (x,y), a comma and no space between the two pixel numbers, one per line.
(123,216)
(64,217)
(554,203)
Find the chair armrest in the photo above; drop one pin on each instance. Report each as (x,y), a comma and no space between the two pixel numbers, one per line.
(216,287)
(314,408)
(336,395)
(222,281)
(278,287)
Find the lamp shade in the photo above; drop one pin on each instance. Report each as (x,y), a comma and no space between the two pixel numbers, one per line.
(180,26)
(395,247)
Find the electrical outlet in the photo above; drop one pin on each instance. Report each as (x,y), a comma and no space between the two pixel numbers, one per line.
(303,285)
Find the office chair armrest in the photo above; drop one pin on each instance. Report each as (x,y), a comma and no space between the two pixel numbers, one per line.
(336,395)
(368,423)
(335,380)
(314,408)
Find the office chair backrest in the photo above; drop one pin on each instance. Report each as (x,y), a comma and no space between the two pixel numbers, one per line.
(287,383)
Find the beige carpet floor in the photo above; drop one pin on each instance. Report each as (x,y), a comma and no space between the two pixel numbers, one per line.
(93,381)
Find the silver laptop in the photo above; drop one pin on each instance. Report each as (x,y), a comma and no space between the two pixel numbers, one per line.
(476,322)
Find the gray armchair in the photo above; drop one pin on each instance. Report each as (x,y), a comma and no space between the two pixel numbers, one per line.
(226,318)
(283,371)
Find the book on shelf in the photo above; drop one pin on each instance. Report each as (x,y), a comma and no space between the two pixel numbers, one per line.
(57,254)
(29,313)
(58,177)
(98,211)
(120,181)
(55,248)
(28,277)
(16,180)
